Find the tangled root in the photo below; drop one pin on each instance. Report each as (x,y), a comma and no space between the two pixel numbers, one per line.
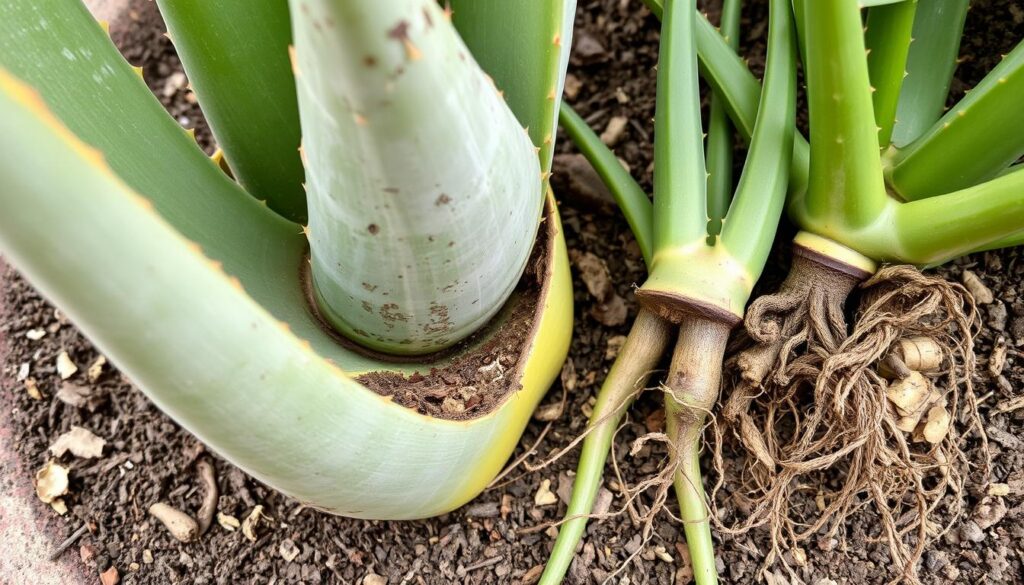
(809,411)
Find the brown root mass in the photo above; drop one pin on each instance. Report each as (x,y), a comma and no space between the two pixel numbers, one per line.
(808,410)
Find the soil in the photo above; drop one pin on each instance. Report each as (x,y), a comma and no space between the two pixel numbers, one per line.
(501,536)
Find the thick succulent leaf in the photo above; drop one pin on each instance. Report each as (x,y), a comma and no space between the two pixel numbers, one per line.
(425,193)
(235,53)
(974,141)
(524,46)
(58,48)
(938,26)
(230,350)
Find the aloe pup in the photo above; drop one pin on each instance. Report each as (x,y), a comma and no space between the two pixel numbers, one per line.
(888,179)
(699,282)
(230,313)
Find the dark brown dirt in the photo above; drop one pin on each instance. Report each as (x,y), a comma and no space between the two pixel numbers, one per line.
(149,459)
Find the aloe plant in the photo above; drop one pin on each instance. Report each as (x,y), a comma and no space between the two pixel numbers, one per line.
(702,268)
(266,337)
(877,142)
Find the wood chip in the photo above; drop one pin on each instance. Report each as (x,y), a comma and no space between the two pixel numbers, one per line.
(81,442)
(372,578)
(96,368)
(35,334)
(51,481)
(549,412)
(181,526)
(982,294)
(228,522)
(662,554)
(614,131)
(1010,405)
(288,550)
(110,576)
(65,367)
(23,371)
(997,359)
(32,389)
(998,489)
(544,495)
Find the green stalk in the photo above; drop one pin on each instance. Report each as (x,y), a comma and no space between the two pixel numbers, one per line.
(235,53)
(526,55)
(680,178)
(846,184)
(941,228)
(425,192)
(693,381)
(750,226)
(888,38)
(938,26)
(730,79)
(720,133)
(972,142)
(635,363)
(628,194)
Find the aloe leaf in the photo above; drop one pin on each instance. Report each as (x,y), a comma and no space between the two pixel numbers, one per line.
(425,192)
(846,182)
(729,77)
(59,49)
(235,53)
(975,140)
(524,47)
(938,26)
(230,351)
(628,194)
(941,228)
(888,39)
(753,218)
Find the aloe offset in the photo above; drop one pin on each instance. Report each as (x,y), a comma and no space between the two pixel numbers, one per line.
(200,298)
(698,282)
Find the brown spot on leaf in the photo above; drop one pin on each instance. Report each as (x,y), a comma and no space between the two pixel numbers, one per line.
(390,313)
(442,199)
(370,61)
(369,287)
(400,33)
(367,307)
(373,229)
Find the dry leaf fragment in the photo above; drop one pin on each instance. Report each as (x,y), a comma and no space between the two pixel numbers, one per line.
(181,526)
(80,442)
(289,550)
(35,334)
(73,394)
(661,553)
(65,367)
(544,495)
(251,522)
(909,394)
(51,481)
(32,388)
(228,522)
(372,578)
(568,375)
(997,359)
(799,557)
(23,371)
(96,368)
(989,512)
(937,425)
